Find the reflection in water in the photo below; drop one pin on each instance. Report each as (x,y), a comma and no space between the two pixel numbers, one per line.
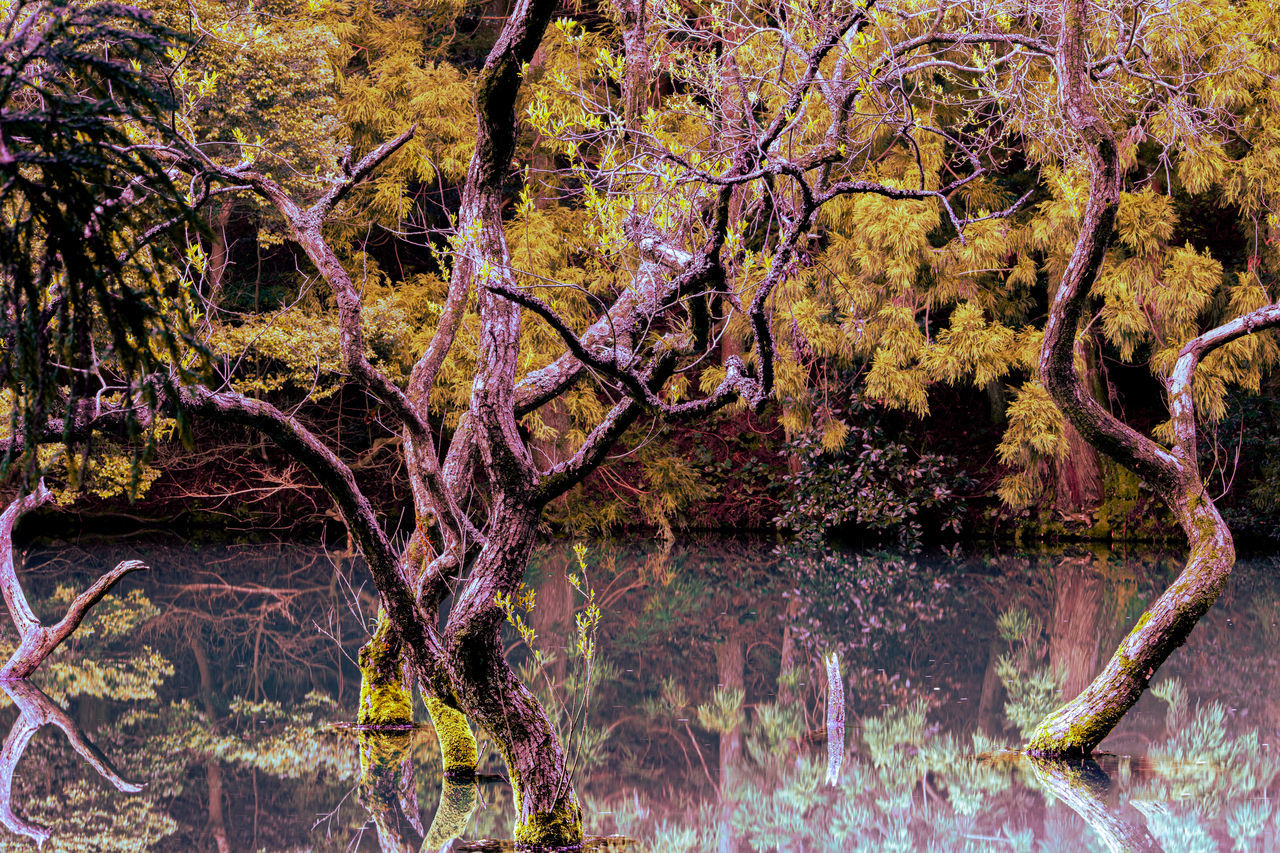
(705,726)
(1083,786)
(36,710)
(388,792)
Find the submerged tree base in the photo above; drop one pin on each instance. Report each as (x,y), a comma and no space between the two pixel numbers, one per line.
(593,844)
(558,829)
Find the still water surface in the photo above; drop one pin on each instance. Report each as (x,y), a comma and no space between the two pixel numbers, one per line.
(198,709)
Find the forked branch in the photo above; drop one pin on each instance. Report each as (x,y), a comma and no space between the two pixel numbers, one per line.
(36,641)
(35,711)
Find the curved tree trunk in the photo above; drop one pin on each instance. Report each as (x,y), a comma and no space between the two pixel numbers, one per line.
(1079,487)
(385,698)
(385,766)
(1079,726)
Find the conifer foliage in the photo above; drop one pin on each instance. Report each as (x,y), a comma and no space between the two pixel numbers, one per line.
(517,240)
(81,199)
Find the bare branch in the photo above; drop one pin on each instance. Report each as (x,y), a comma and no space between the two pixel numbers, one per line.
(14,598)
(1181,400)
(79,607)
(361,171)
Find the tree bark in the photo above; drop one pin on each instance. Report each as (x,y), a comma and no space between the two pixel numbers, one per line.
(384,769)
(491,693)
(1079,488)
(1082,785)
(731,669)
(386,700)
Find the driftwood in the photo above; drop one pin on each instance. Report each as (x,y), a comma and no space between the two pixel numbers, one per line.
(36,641)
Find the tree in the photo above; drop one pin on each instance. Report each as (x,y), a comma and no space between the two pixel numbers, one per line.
(676,214)
(1172,473)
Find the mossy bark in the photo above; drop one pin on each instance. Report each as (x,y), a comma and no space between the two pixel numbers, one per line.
(458,751)
(385,701)
(1078,727)
(1173,473)
(491,693)
(386,785)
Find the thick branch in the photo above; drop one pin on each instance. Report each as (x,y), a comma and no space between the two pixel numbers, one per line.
(1181,400)
(14,598)
(484,257)
(37,642)
(79,607)
(1155,465)
(356,175)
(39,708)
(35,710)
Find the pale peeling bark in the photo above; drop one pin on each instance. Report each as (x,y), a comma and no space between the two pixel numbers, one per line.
(35,640)
(1079,726)
(835,719)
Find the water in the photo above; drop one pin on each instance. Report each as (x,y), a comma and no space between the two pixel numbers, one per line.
(216,681)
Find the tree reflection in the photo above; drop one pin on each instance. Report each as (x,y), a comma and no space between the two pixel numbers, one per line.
(706,733)
(1084,787)
(36,710)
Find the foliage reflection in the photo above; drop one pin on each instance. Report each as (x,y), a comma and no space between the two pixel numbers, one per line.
(705,726)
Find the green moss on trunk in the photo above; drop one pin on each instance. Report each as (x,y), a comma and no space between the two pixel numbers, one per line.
(458,752)
(384,699)
(561,827)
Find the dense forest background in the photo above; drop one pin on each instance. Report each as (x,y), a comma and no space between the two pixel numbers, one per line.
(909,399)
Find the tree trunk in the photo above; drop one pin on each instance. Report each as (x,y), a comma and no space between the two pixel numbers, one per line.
(212,767)
(34,711)
(384,768)
(385,699)
(491,693)
(37,641)
(219,249)
(1080,725)
(1079,472)
(458,758)
(1083,786)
